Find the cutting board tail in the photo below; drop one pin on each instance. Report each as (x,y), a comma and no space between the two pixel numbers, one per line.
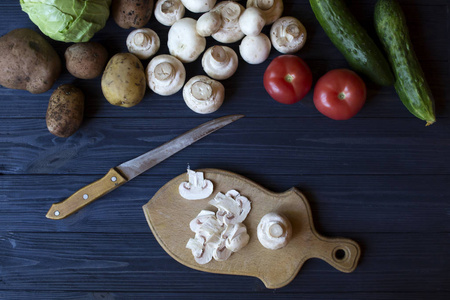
(341,253)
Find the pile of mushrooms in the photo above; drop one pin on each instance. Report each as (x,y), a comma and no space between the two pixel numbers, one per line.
(219,234)
(224,21)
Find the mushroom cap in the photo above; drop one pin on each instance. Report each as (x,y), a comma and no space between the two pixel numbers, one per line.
(209,23)
(271,9)
(167,12)
(229,31)
(220,62)
(199,6)
(255,49)
(184,42)
(203,95)
(143,42)
(288,35)
(274,231)
(165,75)
(252,21)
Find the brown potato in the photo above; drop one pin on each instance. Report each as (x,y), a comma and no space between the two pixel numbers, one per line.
(65,110)
(86,60)
(131,13)
(123,82)
(28,61)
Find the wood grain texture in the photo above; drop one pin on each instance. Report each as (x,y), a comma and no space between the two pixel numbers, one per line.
(381,179)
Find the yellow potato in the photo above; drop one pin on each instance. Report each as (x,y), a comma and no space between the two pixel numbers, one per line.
(123,81)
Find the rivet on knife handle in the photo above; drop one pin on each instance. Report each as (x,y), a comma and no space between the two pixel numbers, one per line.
(86,195)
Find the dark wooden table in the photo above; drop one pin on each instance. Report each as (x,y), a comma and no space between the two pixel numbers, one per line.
(381,178)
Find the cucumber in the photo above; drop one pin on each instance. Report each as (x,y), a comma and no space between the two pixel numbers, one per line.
(352,40)
(410,83)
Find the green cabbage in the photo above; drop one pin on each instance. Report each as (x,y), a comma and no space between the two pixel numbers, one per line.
(68,20)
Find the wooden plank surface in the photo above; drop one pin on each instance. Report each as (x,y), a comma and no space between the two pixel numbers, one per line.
(381,178)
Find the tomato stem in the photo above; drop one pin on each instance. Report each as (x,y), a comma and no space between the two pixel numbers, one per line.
(289,77)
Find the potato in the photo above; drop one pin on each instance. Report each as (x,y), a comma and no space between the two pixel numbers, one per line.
(123,81)
(86,60)
(65,110)
(131,13)
(28,61)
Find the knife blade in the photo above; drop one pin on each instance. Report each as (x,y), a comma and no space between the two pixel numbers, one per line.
(128,170)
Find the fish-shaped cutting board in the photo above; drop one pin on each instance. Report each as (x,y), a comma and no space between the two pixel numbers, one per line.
(168,215)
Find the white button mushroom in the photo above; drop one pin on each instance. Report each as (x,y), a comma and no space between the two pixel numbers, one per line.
(274,231)
(143,43)
(288,35)
(199,6)
(167,12)
(255,49)
(220,62)
(229,31)
(270,9)
(203,95)
(252,21)
(165,75)
(209,23)
(184,42)
(197,188)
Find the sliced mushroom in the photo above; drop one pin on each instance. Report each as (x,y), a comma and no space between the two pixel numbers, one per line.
(274,231)
(236,237)
(232,207)
(199,6)
(252,21)
(200,219)
(229,31)
(270,9)
(255,49)
(203,95)
(197,187)
(203,253)
(288,35)
(184,42)
(209,23)
(143,43)
(220,62)
(167,12)
(221,252)
(165,75)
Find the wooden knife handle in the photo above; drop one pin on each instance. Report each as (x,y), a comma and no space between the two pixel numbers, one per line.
(86,195)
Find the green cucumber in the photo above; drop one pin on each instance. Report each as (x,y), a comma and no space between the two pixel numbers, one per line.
(352,40)
(410,83)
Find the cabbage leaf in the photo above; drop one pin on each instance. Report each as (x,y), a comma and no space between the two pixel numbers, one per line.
(68,20)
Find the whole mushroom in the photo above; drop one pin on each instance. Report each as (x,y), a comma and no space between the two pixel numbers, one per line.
(252,21)
(165,75)
(288,35)
(255,49)
(270,9)
(143,43)
(274,231)
(184,42)
(209,23)
(167,12)
(220,62)
(199,6)
(229,31)
(203,95)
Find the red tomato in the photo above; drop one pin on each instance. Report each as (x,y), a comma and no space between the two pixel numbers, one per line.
(288,79)
(340,94)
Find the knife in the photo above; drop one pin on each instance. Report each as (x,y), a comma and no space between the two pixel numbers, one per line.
(128,170)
